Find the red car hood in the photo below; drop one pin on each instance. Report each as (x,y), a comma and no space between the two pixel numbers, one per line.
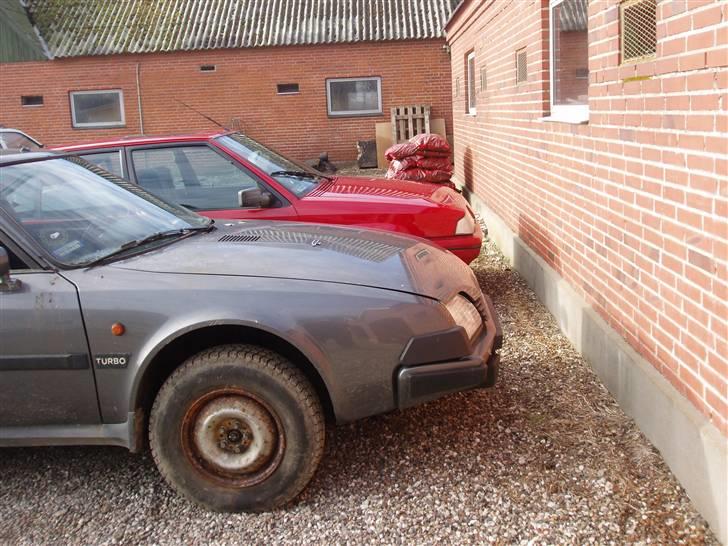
(381,190)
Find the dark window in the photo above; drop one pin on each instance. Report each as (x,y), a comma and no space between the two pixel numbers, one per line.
(109,161)
(354,96)
(287,88)
(31,100)
(208,68)
(97,108)
(195,177)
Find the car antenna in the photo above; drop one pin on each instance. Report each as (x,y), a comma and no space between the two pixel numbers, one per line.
(208,118)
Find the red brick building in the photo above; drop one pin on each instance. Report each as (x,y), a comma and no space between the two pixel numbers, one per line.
(304,77)
(592,137)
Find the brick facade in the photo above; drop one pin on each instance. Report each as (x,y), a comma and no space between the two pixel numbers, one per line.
(632,207)
(242,87)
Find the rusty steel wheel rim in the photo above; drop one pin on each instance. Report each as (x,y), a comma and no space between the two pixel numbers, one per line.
(232,437)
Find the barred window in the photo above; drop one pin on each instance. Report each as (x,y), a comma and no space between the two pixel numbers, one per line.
(521,65)
(638,23)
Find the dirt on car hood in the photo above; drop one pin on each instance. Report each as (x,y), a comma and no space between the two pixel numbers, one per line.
(314,252)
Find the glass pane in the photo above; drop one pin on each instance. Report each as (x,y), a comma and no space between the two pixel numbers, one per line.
(195,177)
(77,215)
(471,83)
(16,141)
(570,55)
(97,107)
(354,96)
(109,161)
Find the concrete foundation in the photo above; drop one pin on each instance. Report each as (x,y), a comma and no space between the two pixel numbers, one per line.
(693,448)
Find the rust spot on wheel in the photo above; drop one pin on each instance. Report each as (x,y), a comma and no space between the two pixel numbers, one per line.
(232,437)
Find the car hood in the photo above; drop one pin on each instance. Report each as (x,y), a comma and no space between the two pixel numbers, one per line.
(313,252)
(383,190)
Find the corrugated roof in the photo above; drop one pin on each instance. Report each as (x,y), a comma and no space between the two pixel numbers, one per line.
(103,27)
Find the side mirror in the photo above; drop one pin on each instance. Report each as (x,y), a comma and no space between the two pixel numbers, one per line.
(254,198)
(6,283)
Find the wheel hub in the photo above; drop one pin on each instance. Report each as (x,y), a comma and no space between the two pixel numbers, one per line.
(234,435)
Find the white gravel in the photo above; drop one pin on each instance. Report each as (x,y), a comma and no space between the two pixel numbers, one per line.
(546,457)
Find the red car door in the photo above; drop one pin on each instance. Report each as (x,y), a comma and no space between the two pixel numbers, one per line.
(206,181)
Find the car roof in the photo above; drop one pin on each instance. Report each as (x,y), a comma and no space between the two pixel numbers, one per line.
(141,140)
(16,156)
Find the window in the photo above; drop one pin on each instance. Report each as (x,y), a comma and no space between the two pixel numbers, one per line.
(470,100)
(287,88)
(354,96)
(208,68)
(195,177)
(109,161)
(97,108)
(569,61)
(521,66)
(31,100)
(638,22)
(483,79)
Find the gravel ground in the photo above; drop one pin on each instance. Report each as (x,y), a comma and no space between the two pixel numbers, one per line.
(546,457)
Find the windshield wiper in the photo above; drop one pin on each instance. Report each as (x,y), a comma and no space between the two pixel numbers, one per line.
(191,207)
(301,174)
(136,243)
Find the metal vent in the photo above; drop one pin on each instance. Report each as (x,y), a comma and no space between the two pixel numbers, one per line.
(483,80)
(521,68)
(638,20)
(238,239)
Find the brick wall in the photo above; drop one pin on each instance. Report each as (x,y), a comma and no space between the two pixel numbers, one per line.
(631,208)
(243,87)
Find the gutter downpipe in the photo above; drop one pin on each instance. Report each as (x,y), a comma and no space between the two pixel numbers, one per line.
(139,99)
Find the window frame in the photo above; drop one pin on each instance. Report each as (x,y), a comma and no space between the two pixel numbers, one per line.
(471,101)
(568,113)
(354,113)
(102,124)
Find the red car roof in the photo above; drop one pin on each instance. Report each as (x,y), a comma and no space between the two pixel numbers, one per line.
(140,140)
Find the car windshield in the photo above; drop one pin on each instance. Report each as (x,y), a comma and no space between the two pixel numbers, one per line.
(295,177)
(79,213)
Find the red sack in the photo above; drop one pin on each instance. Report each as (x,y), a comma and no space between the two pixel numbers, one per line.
(431,142)
(420,175)
(427,144)
(433,163)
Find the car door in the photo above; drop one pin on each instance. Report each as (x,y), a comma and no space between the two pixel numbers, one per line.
(45,370)
(206,181)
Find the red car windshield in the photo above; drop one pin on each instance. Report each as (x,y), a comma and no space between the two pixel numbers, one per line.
(296,177)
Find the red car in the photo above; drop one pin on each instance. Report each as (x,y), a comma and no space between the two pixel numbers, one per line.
(230,176)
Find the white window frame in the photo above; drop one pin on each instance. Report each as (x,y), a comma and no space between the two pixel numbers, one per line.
(352,113)
(119,93)
(471,94)
(568,113)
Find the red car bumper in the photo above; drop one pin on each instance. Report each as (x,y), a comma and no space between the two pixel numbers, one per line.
(465,247)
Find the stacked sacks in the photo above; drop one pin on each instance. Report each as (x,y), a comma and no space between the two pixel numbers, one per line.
(423,158)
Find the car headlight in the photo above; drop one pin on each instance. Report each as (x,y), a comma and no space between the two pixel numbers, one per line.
(465,314)
(466,224)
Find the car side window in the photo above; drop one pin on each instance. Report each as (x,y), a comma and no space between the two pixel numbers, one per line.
(195,177)
(109,161)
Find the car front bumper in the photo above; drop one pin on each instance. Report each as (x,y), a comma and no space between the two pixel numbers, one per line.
(433,366)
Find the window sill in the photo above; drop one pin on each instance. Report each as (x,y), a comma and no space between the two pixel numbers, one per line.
(566,118)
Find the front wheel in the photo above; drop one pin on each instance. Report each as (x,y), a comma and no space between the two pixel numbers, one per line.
(237,428)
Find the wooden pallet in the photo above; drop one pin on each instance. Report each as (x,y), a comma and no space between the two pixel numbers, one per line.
(408,121)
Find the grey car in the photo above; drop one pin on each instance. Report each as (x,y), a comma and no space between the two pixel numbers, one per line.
(226,346)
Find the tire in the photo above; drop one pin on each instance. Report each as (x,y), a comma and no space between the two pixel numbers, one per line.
(237,428)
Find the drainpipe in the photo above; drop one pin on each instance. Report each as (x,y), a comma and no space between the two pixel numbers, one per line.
(139,99)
